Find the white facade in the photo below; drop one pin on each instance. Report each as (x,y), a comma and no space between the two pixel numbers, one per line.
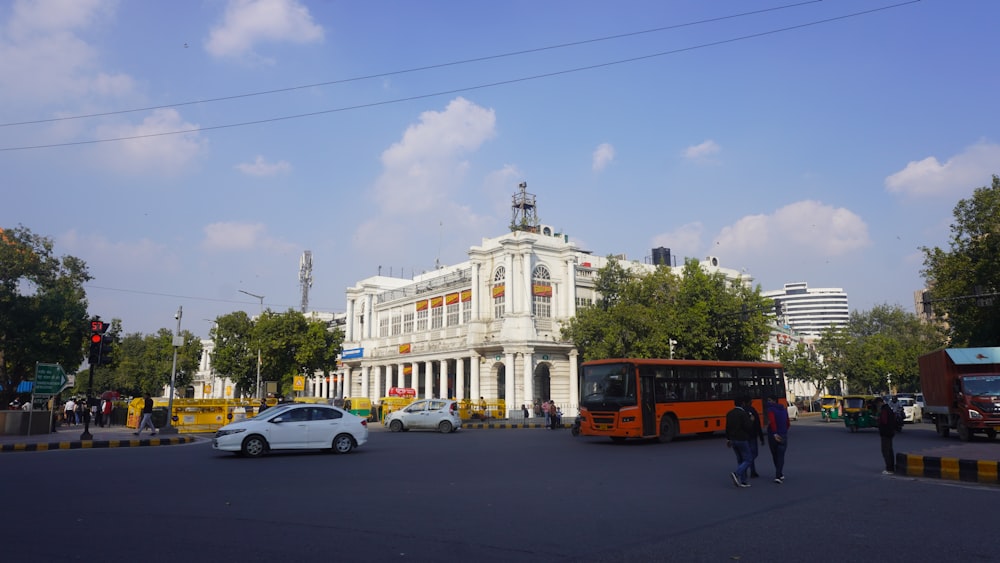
(810,310)
(488,328)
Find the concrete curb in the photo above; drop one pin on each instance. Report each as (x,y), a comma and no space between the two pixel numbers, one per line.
(89,444)
(968,470)
(508,425)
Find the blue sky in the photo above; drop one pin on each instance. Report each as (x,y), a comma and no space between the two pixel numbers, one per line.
(804,142)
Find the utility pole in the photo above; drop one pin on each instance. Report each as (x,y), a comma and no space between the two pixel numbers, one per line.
(178,342)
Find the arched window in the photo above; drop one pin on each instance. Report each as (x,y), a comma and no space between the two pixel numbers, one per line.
(499,290)
(541,292)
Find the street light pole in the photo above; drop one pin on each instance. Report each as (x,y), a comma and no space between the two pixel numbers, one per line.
(178,342)
(261,297)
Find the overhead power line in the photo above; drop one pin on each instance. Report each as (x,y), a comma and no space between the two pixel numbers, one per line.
(409,70)
(464,89)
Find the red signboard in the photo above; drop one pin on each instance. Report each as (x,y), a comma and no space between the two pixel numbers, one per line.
(402,392)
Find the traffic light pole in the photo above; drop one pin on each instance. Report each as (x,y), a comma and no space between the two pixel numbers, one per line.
(86,408)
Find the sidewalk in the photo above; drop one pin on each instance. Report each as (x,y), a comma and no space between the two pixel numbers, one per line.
(68,438)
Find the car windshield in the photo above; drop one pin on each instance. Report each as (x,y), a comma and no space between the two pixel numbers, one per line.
(982,385)
(905,401)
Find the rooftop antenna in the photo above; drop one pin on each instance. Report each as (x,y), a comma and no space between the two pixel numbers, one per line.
(524,215)
(305,277)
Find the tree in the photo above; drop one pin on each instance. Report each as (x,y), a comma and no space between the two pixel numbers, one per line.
(233,356)
(802,363)
(965,280)
(878,349)
(653,315)
(43,307)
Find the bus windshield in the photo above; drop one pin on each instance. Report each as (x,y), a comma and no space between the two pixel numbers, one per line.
(608,385)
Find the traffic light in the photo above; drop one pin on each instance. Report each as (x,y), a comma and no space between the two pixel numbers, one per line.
(105,355)
(95,348)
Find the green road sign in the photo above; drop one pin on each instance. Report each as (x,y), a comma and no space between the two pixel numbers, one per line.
(50,379)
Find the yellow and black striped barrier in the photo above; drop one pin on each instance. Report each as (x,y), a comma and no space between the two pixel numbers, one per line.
(92,444)
(968,470)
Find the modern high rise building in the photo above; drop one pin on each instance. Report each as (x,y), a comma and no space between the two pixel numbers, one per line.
(810,310)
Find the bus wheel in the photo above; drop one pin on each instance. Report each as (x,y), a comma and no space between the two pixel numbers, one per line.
(668,429)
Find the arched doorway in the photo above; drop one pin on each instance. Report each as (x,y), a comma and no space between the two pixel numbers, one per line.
(541,386)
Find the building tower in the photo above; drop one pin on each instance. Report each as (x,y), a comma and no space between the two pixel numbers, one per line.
(305,277)
(524,215)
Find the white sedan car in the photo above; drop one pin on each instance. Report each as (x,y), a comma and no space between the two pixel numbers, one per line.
(428,414)
(793,411)
(911,410)
(296,426)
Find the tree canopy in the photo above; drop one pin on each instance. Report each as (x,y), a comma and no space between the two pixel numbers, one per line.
(695,315)
(43,307)
(964,281)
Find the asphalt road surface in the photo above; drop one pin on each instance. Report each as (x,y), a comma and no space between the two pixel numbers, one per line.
(492,495)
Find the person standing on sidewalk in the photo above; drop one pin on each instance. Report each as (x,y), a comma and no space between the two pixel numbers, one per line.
(886,430)
(738,438)
(777,436)
(545,412)
(147,415)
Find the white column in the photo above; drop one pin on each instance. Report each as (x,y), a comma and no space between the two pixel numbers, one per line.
(443,380)
(574,385)
(528,294)
(369,321)
(388,379)
(428,380)
(476,292)
(509,373)
(350,321)
(476,391)
(529,374)
(364,380)
(460,378)
(569,307)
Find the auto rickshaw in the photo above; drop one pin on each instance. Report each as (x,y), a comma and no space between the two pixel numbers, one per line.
(830,406)
(859,412)
(361,406)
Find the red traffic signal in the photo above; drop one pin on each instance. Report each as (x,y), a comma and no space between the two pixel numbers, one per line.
(95,338)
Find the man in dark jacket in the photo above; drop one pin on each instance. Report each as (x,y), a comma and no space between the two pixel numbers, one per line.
(777,436)
(886,430)
(738,432)
(756,435)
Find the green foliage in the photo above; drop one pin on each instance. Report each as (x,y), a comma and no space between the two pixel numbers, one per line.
(43,307)
(971,267)
(706,315)
(289,343)
(876,346)
(804,364)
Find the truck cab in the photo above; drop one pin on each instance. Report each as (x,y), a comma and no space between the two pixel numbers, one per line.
(961,388)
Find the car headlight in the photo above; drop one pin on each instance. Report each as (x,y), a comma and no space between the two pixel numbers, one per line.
(974,414)
(222,433)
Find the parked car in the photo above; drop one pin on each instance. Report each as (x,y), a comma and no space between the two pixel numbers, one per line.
(919,399)
(294,426)
(793,411)
(911,410)
(426,414)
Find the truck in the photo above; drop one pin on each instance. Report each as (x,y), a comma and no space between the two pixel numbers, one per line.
(961,388)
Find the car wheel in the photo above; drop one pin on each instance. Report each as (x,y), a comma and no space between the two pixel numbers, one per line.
(445,427)
(395,426)
(254,446)
(343,443)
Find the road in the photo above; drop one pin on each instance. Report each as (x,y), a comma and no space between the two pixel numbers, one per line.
(491,495)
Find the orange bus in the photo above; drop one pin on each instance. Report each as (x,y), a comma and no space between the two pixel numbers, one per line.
(650,398)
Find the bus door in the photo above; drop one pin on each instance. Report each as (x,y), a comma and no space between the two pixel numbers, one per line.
(647,396)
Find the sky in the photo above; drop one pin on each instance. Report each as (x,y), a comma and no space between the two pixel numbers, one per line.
(188,151)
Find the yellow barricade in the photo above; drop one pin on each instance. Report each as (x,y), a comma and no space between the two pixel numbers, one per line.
(390,404)
(482,410)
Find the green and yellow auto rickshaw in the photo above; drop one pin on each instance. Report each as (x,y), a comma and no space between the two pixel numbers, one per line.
(830,407)
(859,412)
(361,406)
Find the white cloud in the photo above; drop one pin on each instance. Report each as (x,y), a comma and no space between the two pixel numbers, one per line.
(703,151)
(426,166)
(166,154)
(810,226)
(230,236)
(260,167)
(603,155)
(961,173)
(120,258)
(249,22)
(43,59)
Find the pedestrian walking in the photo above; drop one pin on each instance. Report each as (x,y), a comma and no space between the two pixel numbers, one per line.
(147,415)
(756,437)
(107,408)
(738,429)
(524,412)
(69,412)
(886,431)
(556,415)
(545,412)
(777,436)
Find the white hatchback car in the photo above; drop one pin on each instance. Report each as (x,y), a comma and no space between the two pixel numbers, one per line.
(911,410)
(426,414)
(296,426)
(793,411)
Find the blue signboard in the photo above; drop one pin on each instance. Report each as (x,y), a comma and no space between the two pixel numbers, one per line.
(349,353)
